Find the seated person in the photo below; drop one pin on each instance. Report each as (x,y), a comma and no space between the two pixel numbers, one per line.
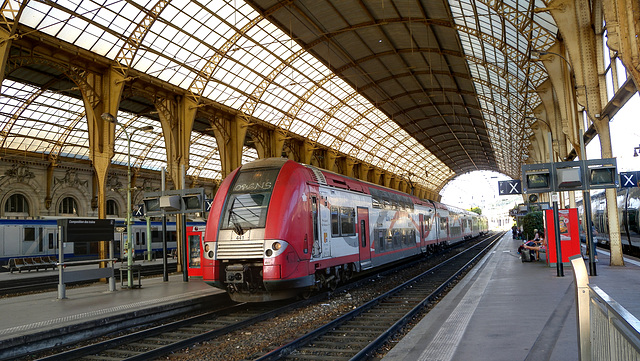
(538,246)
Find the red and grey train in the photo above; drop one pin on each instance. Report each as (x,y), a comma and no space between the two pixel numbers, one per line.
(278,228)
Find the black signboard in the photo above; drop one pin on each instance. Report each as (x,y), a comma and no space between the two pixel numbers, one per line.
(86,230)
(509,187)
(629,179)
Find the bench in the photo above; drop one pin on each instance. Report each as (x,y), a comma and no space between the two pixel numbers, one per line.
(29,263)
(124,275)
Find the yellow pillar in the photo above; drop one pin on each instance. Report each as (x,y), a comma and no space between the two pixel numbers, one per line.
(102,133)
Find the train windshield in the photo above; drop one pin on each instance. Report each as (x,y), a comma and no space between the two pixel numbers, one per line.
(249,199)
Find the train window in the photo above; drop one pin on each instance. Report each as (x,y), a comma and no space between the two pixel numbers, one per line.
(51,245)
(40,241)
(380,246)
(376,202)
(156,236)
(144,239)
(29,234)
(137,239)
(335,225)
(347,221)
(246,211)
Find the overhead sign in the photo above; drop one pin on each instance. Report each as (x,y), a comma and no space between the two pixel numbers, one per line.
(629,179)
(180,201)
(510,187)
(570,176)
(86,230)
(138,210)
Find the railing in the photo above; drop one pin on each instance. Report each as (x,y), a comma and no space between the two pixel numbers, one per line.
(606,330)
(65,277)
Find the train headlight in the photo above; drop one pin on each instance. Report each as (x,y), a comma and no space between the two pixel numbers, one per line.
(274,248)
(210,254)
(206,248)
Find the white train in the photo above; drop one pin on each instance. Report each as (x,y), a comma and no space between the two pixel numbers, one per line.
(38,237)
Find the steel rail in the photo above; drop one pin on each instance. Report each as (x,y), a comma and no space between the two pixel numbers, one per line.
(286,350)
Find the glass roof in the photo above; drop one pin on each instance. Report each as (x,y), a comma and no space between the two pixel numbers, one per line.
(500,68)
(247,63)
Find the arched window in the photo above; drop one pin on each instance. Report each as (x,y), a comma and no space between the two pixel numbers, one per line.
(112,208)
(68,206)
(17,203)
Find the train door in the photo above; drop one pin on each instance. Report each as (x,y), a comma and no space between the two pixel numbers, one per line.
(50,241)
(363,238)
(12,239)
(421,230)
(140,244)
(316,247)
(195,235)
(325,226)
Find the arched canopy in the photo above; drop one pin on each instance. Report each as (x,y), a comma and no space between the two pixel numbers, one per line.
(413,87)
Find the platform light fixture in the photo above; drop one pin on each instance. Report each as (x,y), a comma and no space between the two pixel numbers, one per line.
(636,150)
(108,117)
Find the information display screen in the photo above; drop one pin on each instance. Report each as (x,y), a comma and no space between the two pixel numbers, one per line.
(537,181)
(87,230)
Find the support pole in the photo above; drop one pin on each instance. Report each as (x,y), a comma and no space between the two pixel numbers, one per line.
(556,220)
(185,271)
(149,250)
(61,285)
(112,279)
(165,273)
(586,203)
(556,225)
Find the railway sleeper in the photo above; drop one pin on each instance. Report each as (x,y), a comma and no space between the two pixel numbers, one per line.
(325,351)
(334,336)
(150,346)
(123,352)
(316,357)
(102,358)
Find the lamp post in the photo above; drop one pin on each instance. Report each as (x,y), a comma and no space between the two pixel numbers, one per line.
(112,119)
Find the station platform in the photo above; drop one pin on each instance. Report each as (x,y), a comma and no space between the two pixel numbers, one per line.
(508,310)
(41,319)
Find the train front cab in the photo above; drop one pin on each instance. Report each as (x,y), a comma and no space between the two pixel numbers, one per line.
(257,240)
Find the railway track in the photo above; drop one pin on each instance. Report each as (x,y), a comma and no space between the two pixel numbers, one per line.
(162,340)
(158,341)
(359,333)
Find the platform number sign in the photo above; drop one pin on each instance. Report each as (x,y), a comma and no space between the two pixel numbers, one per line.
(509,187)
(629,179)
(207,204)
(138,210)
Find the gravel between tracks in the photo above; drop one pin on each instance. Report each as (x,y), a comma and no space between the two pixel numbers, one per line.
(259,339)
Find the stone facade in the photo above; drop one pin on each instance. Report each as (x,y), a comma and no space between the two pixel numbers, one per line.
(47,190)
